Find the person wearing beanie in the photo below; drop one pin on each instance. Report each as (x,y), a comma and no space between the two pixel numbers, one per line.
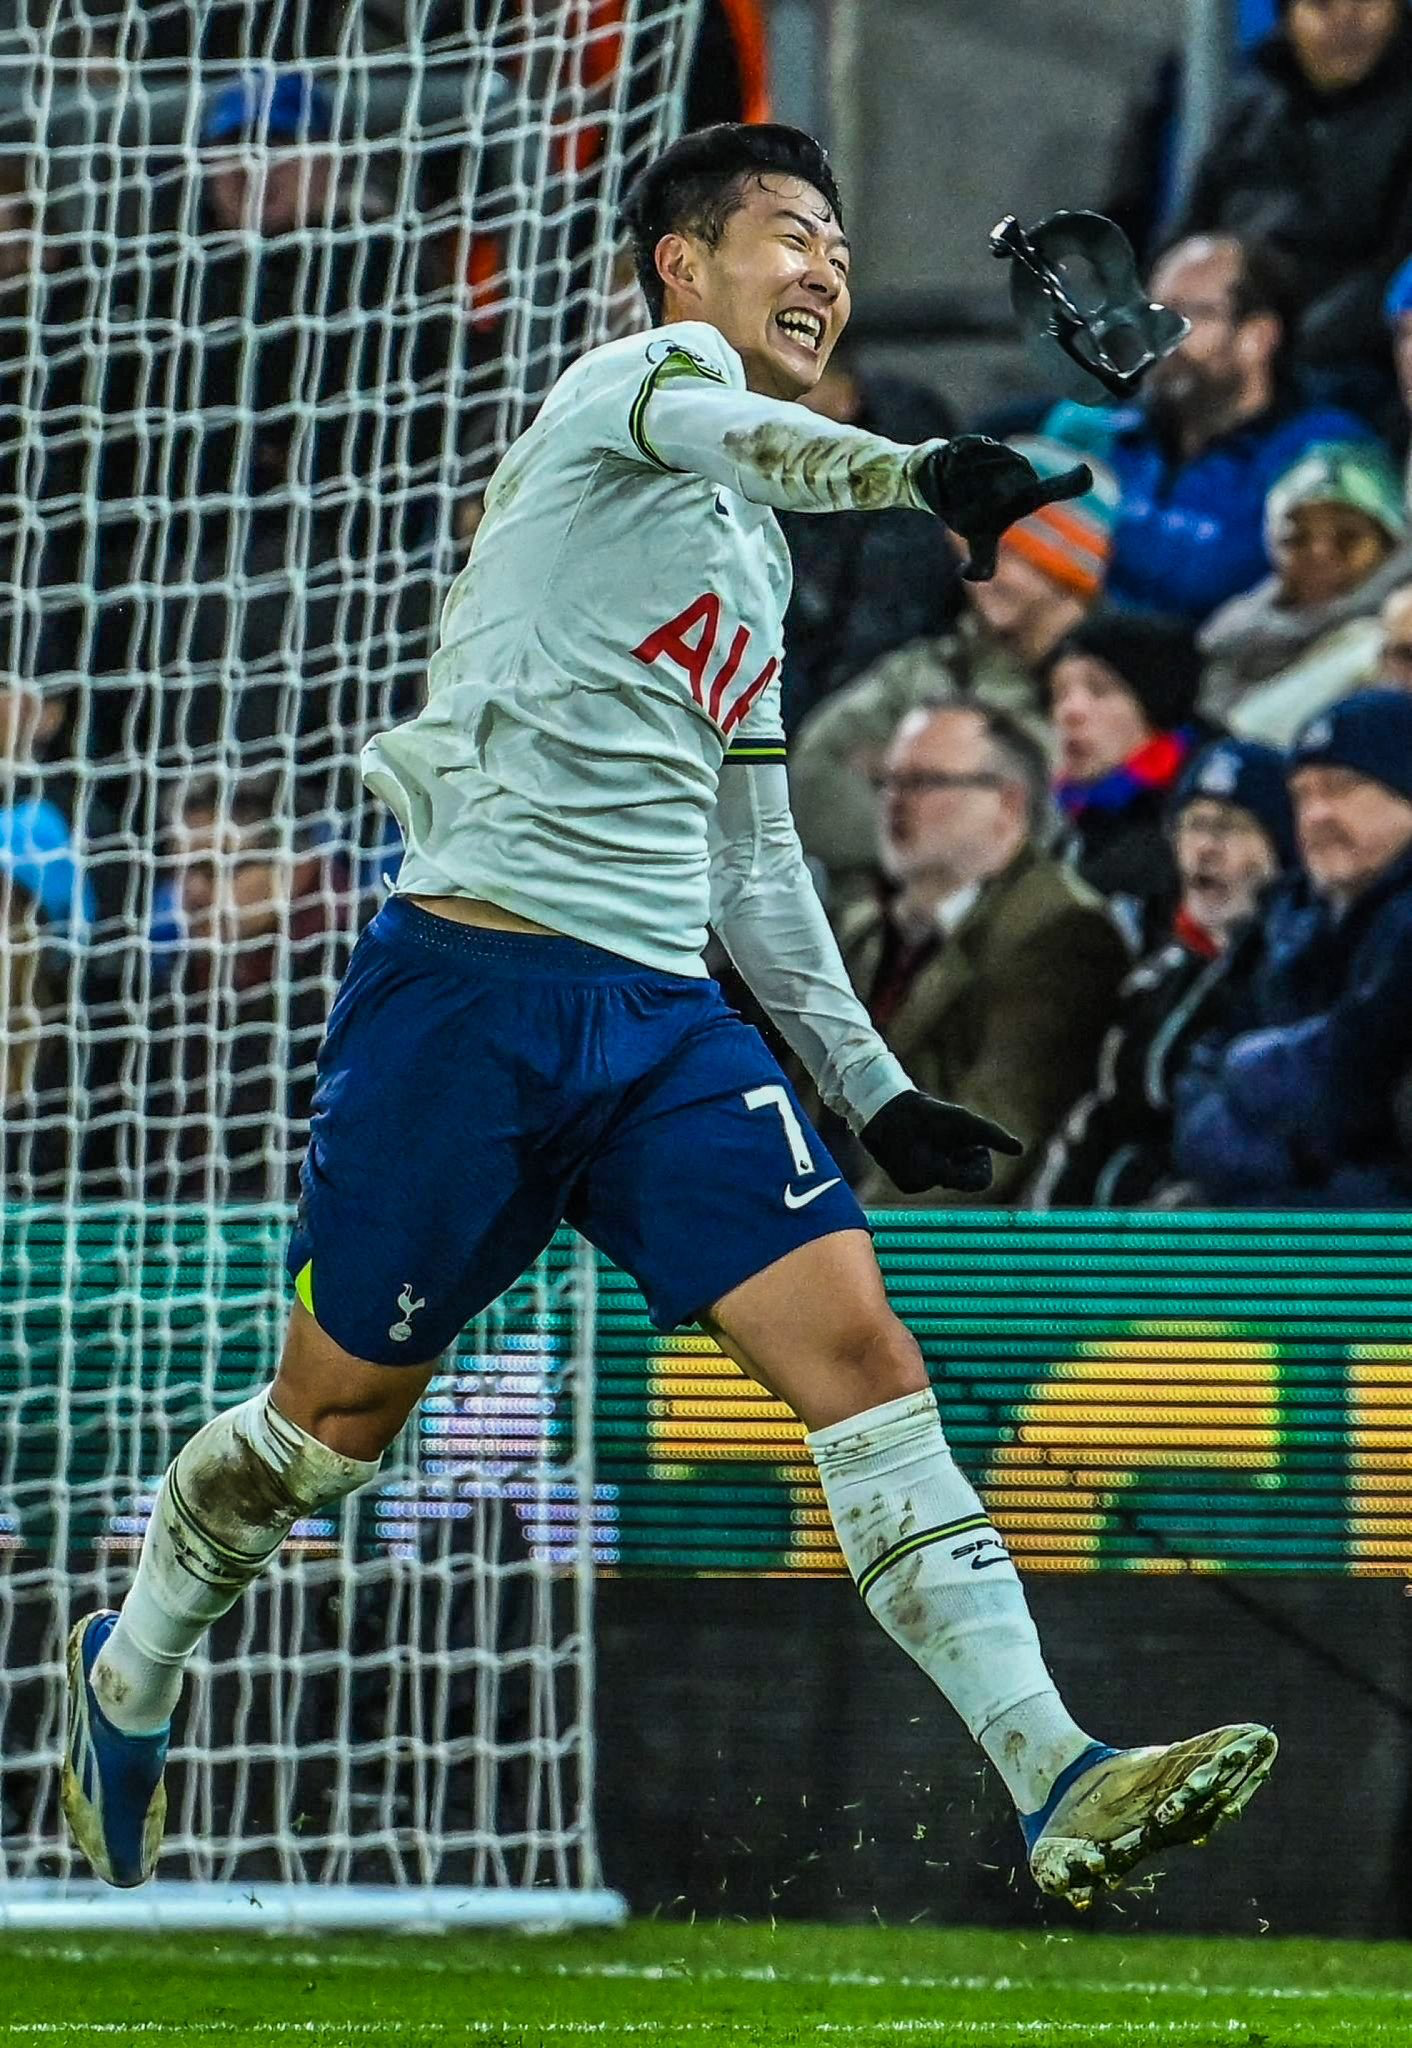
(1232,830)
(1123,691)
(1309,1106)
(1336,532)
(1050,570)
(286,117)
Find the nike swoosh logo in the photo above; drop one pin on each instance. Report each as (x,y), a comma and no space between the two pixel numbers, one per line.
(978,1564)
(794,1201)
(724,510)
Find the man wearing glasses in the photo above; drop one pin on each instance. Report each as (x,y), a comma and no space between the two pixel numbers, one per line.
(992,967)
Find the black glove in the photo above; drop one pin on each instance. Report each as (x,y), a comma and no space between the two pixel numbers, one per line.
(921,1142)
(979,487)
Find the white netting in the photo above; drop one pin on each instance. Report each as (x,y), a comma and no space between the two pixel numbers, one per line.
(278,283)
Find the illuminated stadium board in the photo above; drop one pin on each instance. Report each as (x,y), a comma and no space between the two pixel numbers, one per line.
(1151,1392)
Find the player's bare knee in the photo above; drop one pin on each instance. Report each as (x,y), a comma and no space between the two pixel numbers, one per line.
(349,1406)
(881,1358)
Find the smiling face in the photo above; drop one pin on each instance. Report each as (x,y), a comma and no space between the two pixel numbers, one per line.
(775,284)
(1324,552)
(1350,828)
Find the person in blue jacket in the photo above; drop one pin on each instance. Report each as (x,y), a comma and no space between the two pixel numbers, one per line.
(1217,425)
(1313,1107)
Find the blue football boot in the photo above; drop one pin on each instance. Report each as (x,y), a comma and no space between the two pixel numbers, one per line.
(111,1787)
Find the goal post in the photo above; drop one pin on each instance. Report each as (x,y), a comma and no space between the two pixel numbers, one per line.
(273,323)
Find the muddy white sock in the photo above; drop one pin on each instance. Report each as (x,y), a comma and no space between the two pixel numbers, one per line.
(929,1564)
(224,1508)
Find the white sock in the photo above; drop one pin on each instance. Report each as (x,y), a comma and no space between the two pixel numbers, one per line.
(224,1508)
(931,1567)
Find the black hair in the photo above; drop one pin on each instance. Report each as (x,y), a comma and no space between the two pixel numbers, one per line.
(695,186)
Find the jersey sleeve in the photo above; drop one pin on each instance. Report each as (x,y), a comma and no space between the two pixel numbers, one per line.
(766,912)
(675,401)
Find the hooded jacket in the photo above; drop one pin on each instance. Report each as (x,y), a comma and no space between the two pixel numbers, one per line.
(1271,668)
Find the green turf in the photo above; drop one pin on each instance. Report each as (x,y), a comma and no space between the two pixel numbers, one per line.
(660,1984)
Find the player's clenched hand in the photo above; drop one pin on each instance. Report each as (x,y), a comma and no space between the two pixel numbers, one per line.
(921,1142)
(979,487)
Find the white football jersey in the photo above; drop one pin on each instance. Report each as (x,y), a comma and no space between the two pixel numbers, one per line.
(616,631)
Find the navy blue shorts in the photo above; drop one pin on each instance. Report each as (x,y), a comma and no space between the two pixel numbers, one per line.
(478,1088)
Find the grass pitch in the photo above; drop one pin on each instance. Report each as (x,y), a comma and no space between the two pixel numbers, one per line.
(659,1985)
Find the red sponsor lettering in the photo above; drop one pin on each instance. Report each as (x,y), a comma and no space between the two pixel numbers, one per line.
(725,674)
(689,641)
(673,641)
(747,696)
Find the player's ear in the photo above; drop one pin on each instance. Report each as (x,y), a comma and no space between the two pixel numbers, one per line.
(677,266)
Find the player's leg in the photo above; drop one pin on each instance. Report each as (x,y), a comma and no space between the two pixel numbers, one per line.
(224,1508)
(418,1209)
(816,1329)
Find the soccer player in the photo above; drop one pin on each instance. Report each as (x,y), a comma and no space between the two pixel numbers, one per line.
(527,1034)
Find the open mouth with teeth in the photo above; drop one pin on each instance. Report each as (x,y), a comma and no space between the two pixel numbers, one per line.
(805,328)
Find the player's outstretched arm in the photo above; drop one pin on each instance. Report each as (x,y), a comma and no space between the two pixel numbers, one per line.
(690,418)
(767,914)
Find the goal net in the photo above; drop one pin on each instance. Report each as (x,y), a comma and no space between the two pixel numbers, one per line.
(278,284)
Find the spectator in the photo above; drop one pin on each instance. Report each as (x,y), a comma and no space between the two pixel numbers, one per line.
(263,913)
(1315,157)
(1123,690)
(1233,831)
(1050,569)
(1337,535)
(1218,424)
(38,839)
(993,972)
(864,582)
(1301,1111)
(1394,666)
(51,821)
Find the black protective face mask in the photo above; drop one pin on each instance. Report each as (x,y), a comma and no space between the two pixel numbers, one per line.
(1081,306)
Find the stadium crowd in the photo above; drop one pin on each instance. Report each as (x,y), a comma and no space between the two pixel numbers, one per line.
(1118,845)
